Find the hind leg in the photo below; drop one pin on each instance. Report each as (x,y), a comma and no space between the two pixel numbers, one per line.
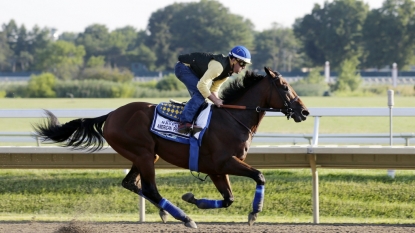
(143,161)
(224,187)
(132,182)
(132,139)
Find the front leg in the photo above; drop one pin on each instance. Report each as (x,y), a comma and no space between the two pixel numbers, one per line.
(237,167)
(223,185)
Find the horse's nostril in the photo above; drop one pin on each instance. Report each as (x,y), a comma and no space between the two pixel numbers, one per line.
(305,113)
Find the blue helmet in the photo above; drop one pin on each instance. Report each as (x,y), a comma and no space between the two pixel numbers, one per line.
(242,53)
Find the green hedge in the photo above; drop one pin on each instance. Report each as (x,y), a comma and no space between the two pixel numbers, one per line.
(92,89)
(108,89)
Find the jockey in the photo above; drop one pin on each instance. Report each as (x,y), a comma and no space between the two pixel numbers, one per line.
(203,74)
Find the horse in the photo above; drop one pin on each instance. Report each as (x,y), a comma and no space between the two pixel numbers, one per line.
(221,153)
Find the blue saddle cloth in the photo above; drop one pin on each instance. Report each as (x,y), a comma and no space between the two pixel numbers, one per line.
(166,121)
(165,124)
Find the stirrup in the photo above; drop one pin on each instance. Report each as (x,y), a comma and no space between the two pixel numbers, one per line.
(189,128)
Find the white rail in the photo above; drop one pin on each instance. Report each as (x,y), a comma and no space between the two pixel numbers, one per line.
(317,113)
(270,138)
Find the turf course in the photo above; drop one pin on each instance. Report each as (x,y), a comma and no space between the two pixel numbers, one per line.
(354,196)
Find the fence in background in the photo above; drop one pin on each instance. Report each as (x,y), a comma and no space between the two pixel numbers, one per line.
(316,113)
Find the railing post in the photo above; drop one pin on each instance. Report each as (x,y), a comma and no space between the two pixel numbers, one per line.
(142,207)
(316,129)
(315,194)
(37,141)
(391,173)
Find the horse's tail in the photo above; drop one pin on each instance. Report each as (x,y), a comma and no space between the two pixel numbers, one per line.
(82,133)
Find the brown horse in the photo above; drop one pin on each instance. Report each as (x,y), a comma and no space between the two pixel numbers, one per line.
(222,152)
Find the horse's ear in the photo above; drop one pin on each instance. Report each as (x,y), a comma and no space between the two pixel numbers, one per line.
(272,73)
(269,72)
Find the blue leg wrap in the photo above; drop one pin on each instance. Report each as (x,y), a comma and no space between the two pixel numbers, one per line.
(152,202)
(173,210)
(258,199)
(209,204)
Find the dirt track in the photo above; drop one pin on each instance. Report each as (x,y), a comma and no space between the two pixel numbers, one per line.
(123,227)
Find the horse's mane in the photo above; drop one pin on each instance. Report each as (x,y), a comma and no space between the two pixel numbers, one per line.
(239,86)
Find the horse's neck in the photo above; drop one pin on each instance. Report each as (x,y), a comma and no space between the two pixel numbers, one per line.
(254,97)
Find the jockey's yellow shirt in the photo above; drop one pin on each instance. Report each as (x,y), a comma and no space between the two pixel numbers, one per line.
(213,71)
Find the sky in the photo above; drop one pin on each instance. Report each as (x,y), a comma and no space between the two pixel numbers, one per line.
(76,15)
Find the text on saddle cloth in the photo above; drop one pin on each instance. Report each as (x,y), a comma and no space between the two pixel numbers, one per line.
(165,122)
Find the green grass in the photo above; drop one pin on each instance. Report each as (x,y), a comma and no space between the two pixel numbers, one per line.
(345,196)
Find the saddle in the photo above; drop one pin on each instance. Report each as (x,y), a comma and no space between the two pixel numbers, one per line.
(166,120)
(172,110)
(165,125)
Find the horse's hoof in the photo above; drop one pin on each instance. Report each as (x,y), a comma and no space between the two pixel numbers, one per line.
(163,215)
(189,197)
(252,218)
(191,224)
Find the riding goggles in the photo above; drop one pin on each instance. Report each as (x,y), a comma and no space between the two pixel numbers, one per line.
(241,63)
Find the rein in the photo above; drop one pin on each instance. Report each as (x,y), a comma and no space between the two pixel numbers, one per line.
(257,109)
(246,127)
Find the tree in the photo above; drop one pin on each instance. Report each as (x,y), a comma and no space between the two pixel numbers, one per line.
(94,62)
(94,39)
(39,38)
(348,79)
(276,48)
(144,55)
(160,37)
(119,42)
(314,77)
(141,53)
(311,85)
(5,51)
(41,86)
(23,44)
(169,83)
(11,29)
(389,34)
(332,33)
(107,73)
(204,26)
(61,58)
(68,37)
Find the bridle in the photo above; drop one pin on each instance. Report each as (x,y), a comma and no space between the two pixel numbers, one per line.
(287,110)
